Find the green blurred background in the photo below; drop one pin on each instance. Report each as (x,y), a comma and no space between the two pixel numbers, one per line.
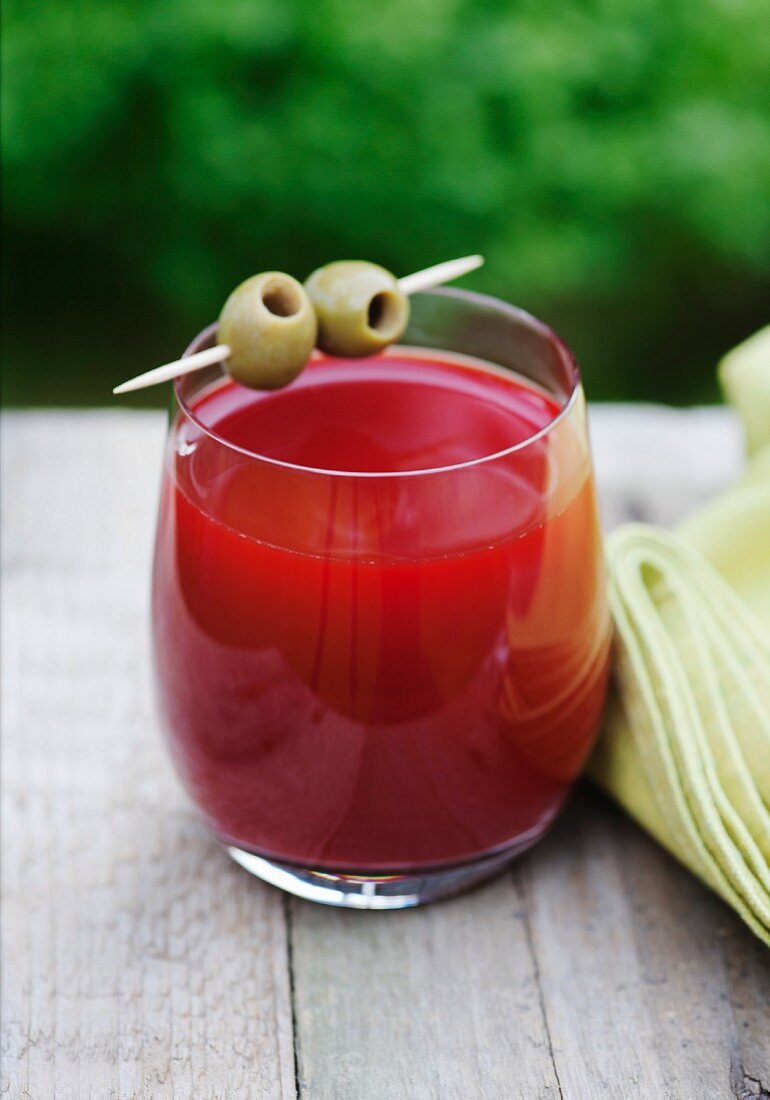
(611,160)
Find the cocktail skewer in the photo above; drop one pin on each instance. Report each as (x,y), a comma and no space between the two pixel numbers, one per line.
(439,274)
(430,277)
(169,371)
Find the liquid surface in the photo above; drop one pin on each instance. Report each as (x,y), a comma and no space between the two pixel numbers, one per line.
(385,415)
(378,673)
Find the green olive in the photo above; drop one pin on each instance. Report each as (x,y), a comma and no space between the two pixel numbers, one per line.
(359,306)
(269,324)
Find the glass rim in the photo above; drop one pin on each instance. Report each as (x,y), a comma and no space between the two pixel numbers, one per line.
(486,300)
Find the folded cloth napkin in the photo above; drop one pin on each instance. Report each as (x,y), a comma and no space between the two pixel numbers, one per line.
(685,747)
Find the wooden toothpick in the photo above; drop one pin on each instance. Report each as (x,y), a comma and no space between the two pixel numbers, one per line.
(169,371)
(439,274)
(421,280)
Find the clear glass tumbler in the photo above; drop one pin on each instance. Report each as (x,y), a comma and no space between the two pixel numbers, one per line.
(379,684)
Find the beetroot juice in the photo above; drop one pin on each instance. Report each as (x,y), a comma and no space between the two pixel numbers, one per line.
(379,618)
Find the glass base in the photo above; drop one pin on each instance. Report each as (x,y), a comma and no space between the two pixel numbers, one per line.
(399,891)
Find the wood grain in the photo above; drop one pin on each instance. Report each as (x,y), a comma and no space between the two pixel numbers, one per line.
(138,962)
(439,1002)
(639,945)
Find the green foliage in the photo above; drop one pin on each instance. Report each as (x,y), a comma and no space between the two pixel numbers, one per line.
(611,158)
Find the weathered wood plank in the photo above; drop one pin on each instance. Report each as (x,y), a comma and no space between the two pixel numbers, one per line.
(631,964)
(435,1003)
(748,975)
(137,962)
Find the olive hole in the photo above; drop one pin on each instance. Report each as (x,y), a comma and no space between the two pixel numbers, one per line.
(384,312)
(282,300)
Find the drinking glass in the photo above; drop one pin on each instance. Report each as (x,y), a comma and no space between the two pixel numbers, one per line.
(379,687)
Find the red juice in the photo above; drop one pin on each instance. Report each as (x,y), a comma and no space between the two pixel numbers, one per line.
(380,628)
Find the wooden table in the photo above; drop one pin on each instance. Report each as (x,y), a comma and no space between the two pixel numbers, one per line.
(140,962)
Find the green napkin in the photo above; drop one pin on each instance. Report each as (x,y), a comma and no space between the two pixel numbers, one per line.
(686,741)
